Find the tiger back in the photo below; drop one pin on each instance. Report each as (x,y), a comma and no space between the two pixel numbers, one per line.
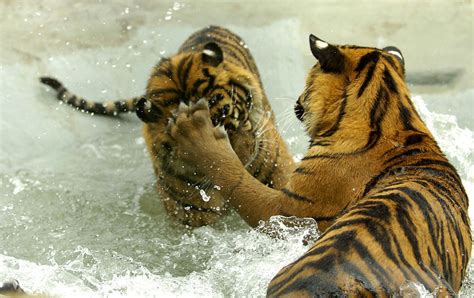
(393,208)
(213,63)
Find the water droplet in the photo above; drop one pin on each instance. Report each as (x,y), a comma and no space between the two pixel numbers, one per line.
(204,196)
(167,18)
(177,6)
(162,52)
(104,91)
(127,65)
(129,27)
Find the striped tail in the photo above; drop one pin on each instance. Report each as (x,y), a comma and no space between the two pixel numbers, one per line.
(108,108)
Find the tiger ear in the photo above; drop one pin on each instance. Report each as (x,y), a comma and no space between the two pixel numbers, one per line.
(212,54)
(329,56)
(147,111)
(394,51)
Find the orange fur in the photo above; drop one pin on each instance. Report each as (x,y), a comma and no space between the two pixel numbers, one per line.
(392,208)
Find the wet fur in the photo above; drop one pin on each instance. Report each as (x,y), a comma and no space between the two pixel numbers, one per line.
(212,63)
(391,207)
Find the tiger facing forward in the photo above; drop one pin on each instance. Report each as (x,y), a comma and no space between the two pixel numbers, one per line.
(391,207)
(213,63)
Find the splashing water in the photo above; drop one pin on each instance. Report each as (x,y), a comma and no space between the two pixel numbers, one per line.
(125,246)
(79,216)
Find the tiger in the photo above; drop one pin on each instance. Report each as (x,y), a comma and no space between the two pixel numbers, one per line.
(216,64)
(391,207)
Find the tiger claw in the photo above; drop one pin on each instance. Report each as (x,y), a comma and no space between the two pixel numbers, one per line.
(183,108)
(220,132)
(201,104)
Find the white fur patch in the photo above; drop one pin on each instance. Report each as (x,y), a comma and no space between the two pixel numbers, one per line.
(148,105)
(396,54)
(209,53)
(321,44)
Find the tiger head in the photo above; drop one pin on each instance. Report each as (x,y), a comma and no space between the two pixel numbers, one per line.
(350,86)
(234,93)
(232,90)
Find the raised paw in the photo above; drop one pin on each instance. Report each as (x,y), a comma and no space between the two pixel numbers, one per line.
(193,122)
(195,135)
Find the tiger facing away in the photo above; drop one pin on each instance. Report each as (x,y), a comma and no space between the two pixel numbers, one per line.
(391,207)
(213,63)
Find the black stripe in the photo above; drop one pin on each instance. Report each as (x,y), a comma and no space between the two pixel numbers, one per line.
(405,116)
(322,143)
(159,92)
(410,232)
(163,71)
(379,108)
(184,78)
(390,61)
(405,154)
(60,94)
(180,68)
(99,109)
(295,196)
(377,269)
(210,83)
(316,283)
(389,81)
(121,106)
(414,139)
(215,100)
(368,78)
(412,107)
(366,59)
(196,85)
(71,100)
(428,215)
(377,114)
(441,163)
(340,116)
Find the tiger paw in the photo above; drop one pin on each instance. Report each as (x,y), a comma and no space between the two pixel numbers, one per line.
(198,141)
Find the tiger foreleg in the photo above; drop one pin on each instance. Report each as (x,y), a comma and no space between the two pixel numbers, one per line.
(208,149)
